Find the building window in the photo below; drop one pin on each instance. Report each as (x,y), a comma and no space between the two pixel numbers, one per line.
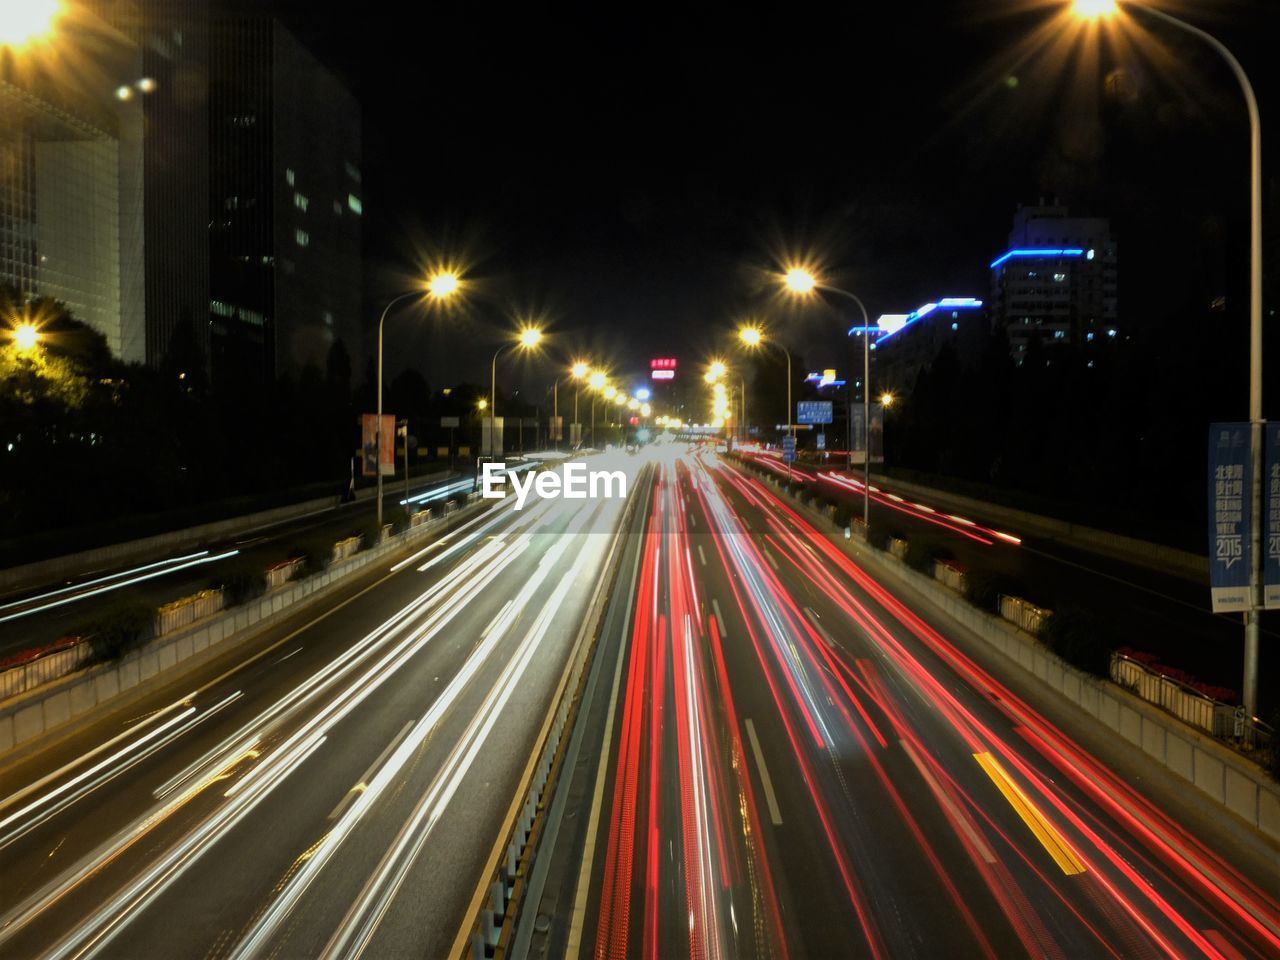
(955,326)
(289,176)
(1111,332)
(301,237)
(337,208)
(300,201)
(1059,277)
(354,203)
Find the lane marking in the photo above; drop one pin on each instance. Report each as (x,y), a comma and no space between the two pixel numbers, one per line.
(957,815)
(715,605)
(765,780)
(702,556)
(1052,841)
(772,562)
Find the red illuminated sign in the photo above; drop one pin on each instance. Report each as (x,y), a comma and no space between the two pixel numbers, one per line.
(663,363)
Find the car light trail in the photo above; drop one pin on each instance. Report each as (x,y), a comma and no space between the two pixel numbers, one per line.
(111,576)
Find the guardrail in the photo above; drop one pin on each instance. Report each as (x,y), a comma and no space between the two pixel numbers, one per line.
(898,548)
(1024,614)
(278,574)
(40,666)
(345,548)
(1184,702)
(187,610)
(949,575)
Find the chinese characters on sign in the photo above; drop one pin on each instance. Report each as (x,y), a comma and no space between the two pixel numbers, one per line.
(1229,509)
(813,411)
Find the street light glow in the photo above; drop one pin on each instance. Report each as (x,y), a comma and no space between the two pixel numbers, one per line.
(482,404)
(26,336)
(800,280)
(610,392)
(443,285)
(30,20)
(580,370)
(645,410)
(1094,9)
(751,336)
(717,369)
(886,399)
(597,380)
(530,337)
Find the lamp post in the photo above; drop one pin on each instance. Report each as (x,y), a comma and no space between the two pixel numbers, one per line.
(1097,9)
(441,286)
(801,281)
(754,337)
(529,338)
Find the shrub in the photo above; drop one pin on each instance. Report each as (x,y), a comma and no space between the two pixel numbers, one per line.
(1273,750)
(983,588)
(398,517)
(241,582)
(368,533)
(843,516)
(1079,638)
(879,535)
(119,627)
(315,555)
(921,552)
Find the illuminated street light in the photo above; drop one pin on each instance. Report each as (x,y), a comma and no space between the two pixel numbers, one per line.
(597,381)
(26,336)
(580,370)
(887,400)
(645,410)
(528,338)
(610,391)
(799,280)
(28,21)
(439,286)
(1093,10)
(717,369)
(753,337)
(482,404)
(633,404)
(802,282)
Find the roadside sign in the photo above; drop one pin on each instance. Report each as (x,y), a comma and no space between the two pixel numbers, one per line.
(1230,560)
(450,422)
(1271,520)
(789,449)
(813,411)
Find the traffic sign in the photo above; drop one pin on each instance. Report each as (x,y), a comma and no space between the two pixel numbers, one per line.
(789,449)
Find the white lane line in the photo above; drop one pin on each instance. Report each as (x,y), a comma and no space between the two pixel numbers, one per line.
(817,625)
(765,780)
(287,656)
(702,556)
(363,783)
(957,816)
(772,562)
(715,605)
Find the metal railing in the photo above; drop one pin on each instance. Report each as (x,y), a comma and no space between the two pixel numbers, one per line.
(1024,614)
(278,574)
(187,610)
(44,667)
(949,575)
(1184,702)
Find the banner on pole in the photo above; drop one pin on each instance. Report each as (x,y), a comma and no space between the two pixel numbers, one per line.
(1271,520)
(1230,470)
(372,457)
(557,428)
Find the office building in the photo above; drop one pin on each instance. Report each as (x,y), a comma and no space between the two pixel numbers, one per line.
(906,343)
(71,176)
(1056,281)
(284,205)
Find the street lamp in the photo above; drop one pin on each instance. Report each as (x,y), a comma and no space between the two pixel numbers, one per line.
(440,286)
(31,20)
(26,336)
(753,336)
(1095,9)
(886,399)
(528,338)
(803,283)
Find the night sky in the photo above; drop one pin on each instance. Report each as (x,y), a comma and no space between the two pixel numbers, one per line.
(632,175)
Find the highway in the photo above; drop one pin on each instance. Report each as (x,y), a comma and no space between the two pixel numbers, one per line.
(1151,611)
(37,615)
(791,762)
(334,787)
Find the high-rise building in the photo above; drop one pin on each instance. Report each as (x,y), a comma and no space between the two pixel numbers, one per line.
(1056,281)
(71,175)
(284,204)
(906,343)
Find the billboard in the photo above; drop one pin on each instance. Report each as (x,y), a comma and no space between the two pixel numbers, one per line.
(371,456)
(1230,472)
(1271,520)
(877,434)
(662,368)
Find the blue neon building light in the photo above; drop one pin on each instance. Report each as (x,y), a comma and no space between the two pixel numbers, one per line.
(900,322)
(1038,252)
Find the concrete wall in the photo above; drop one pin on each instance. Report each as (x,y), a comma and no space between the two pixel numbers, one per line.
(1221,774)
(147,548)
(40,711)
(1142,553)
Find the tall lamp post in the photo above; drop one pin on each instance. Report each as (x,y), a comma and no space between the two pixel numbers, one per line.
(801,281)
(1096,9)
(529,338)
(754,337)
(580,371)
(440,286)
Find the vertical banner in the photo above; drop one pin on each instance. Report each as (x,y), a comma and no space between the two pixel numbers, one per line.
(1230,468)
(1271,520)
(575,434)
(371,456)
(557,428)
(491,437)
(860,434)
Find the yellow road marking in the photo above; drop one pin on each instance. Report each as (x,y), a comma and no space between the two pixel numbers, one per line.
(1049,838)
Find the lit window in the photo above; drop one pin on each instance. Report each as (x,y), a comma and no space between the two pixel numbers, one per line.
(337,208)
(1058,334)
(1089,255)
(300,201)
(1088,336)
(301,238)
(354,203)
(288,176)
(1059,277)
(1111,332)
(955,326)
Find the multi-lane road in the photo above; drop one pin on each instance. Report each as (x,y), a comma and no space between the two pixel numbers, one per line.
(332,789)
(797,764)
(775,756)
